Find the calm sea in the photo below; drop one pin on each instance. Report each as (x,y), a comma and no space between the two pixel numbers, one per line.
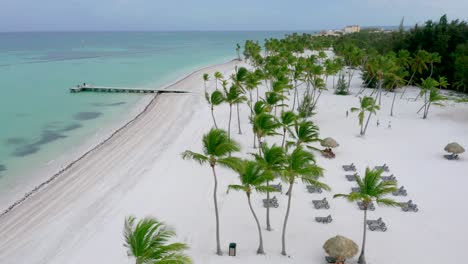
(40,119)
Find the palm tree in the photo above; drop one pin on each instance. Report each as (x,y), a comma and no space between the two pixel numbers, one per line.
(238,80)
(216,147)
(253,177)
(429,86)
(300,164)
(273,161)
(418,64)
(287,120)
(367,104)
(238,48)
(218,76)
(305,132)
(233,96)
(206,78)
(264,124)
(148,242)
(215,99)
(372,188)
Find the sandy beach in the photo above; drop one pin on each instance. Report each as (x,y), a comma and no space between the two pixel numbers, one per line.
(78,217)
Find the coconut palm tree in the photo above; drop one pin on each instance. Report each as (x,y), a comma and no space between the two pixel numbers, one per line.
(305,132)
(206,78)
(217,146)
(273,160)
(218,76)
(238,79)
(287,120)
(367,104)
(418,64)
(148,242)
(238,48)
(215,99)
(300,165)
(264,124)
(233,96)
(431,95)
(372,189)
(253,177)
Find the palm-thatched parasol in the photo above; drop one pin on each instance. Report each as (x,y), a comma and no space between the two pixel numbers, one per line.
(341,248)
(329,143)
(454,148)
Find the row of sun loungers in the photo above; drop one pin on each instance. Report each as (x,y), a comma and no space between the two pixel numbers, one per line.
(324,220)
(409,206)
(314,189)
(451,156)
(349,167)
(370,206)
(400,192)
(272,202)
(377,225)
(321,204)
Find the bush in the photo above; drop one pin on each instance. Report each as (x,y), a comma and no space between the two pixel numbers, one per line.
(341,86)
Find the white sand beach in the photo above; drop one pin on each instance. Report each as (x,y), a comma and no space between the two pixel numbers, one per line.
(78,217)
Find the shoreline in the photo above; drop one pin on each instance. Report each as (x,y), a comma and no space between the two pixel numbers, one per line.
(110,131)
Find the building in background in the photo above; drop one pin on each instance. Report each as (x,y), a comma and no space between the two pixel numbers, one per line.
(352,29)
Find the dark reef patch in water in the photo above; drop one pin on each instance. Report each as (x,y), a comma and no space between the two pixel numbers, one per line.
(70,127)
(47,136)
(15,141)
(108,104)
(25,150)
(2,168)
(86,115)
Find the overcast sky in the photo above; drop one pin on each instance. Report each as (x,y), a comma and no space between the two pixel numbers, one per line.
(75,15)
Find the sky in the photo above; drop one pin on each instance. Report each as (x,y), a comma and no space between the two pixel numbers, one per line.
(167,15)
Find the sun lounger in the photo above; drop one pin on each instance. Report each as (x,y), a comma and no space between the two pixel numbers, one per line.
(409,206)
(451,157)
(272,202)
(388,178)
(369,207)
(383,167)
(377,221)
(278,187)
(324,220)
(314,189)
(330,259)
(349,167)
(400,192)
(320,204)
(355,189)
(377,226)
(351,177)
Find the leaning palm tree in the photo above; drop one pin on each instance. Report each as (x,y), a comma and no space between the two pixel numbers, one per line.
(371,189)
(287,120)
(238,48)
(218,76)
(215,99)
(206,78)
(233,96)
(418,64)
(367,104)
(148,242)
(304,133)
(273,160)
(300,164)
(253,177)
(264,124)
(217,147)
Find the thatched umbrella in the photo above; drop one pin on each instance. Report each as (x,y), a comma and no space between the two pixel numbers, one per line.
(341,248)
(454,148)
(329,143)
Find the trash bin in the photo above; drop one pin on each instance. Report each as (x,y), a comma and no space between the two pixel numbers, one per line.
(232,249)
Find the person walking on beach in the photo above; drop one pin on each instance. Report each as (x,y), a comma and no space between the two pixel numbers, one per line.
(347,113)
(389,124)
(378,123)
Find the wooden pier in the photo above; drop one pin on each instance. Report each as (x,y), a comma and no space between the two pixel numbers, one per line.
(109,89)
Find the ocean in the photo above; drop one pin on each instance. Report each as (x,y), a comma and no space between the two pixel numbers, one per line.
(40,119)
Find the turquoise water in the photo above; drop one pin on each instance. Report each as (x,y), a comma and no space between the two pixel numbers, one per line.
(40,119)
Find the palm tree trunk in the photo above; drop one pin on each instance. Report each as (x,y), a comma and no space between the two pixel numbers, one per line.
(393,102)
(424,106)
(218,244)
(333,81)
(212,114)
(404,90)
(204,83)
(260,246)
(427,110)
(284,137)
(283,237)
(238,119)
(367,123)
(294,98)
(229,124)
(216,84)
(362,257)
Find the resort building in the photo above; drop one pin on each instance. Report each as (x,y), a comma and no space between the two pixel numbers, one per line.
(352,29)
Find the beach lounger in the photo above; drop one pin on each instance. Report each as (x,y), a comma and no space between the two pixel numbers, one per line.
(349,167)
(278,187)
(378,226)
(451,157)
(409,206)
(377,221)
(400,192)
(330,259)
(355,189)
(272,202)
(324,220)
(383,167)
(370,207)
(388,178)
(351,177)
(314,189)
(320,204)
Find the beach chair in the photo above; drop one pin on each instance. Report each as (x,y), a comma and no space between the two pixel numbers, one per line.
(321,204)
(355,189)
(451,157)
(409,206)
(388,178)
(278,187)
(400,192)
(324,220)
(377,221)
(349,167)
(314,189)
(351,177)
(329,259)
(378,226)
(383,167)
(370,207)
(271,203)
